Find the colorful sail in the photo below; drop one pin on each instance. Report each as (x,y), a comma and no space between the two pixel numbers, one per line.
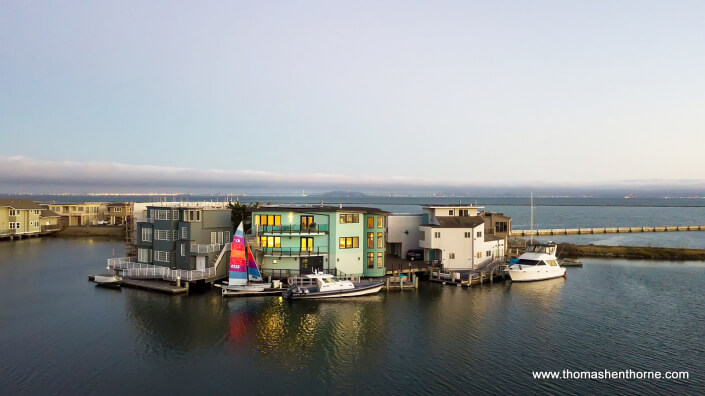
(238,263)
(252,270)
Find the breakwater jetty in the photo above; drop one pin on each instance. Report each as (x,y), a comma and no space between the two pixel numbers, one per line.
(605,230)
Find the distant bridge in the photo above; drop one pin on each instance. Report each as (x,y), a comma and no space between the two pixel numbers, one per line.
(605,230)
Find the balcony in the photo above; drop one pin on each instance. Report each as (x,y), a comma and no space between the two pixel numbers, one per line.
(293,251)
(313,229)
(211,248)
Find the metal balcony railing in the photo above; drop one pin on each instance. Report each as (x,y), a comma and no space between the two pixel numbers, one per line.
(293,229)
(294,251)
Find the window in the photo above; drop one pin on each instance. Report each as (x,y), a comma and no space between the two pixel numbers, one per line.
(193,215)
(380,222)
(422,235)
(349,218)
(174,214)
(349,242)
(268,220)
(161,235)
(479,234)
(437,234)
(306,244)
(450,212)
(479,254)
(488,253)
(160,214)
(214,237)
(380,260)
(220,238)
(14,226)
(162,256)
(370,260)
(174,235)
(270,241)
(14,212)
(147,234)
(451,256)
(117,209)
(468,234)
(370,240)
(380,240)
(143,255)
(370,222)
(226,236)
(183,249)
(463,212)
(184,233)
(500,226)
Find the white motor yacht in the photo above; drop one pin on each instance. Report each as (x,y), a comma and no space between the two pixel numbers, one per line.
(539,262)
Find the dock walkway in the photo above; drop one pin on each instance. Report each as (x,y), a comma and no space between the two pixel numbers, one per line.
(605,230)
(160,286)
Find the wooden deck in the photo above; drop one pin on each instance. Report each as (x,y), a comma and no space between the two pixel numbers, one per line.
(605,230)
(160,286)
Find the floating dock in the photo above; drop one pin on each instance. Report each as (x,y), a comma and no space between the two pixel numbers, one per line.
(605,230)
(160,286)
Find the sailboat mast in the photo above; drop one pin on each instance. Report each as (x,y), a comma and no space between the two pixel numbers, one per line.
(532,218)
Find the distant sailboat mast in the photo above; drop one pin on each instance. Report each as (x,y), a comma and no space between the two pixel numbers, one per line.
(532,218)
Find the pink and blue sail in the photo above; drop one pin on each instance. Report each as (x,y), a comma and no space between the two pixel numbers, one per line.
(243,267)
(238,262)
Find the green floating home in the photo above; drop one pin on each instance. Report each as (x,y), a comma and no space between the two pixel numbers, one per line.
(298,240)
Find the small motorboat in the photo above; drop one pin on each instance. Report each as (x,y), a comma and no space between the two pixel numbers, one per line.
(108,280)
(328,286)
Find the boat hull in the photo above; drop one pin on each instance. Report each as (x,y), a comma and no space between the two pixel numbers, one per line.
(532,276)
(356,292)
(107,280)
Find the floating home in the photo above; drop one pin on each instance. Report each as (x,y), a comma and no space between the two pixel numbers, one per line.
(293,240)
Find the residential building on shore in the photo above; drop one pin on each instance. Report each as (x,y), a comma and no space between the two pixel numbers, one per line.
(185,236)
(78,214)
(294,240)
(403,233)
(119,213)
(22,218)
(454,236)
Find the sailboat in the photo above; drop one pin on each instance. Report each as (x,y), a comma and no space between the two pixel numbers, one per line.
(243,267)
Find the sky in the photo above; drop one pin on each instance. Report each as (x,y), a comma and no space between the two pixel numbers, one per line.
(364,96)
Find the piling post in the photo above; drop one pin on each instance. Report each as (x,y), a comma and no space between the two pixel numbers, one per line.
(178,281)
(387,283)
(481,273)
(416,282)
(401,284)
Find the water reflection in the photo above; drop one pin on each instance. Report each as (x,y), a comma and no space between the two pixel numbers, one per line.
(545,294)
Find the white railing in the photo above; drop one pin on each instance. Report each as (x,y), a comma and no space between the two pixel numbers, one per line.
(198,248)
(143,220)
(131,269)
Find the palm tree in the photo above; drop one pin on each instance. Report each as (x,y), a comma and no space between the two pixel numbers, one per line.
(241,212)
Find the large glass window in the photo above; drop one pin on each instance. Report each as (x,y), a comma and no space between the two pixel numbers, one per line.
(270,241)
(147,234)
(380,260)
(268,220)
(370,222)
(370,240)
(349,242)
(306,244)
(370,260)
(349,218)
(380,240)
(380,221)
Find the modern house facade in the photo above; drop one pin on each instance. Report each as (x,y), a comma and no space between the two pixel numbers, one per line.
(296,240)
(403,233)
(22,217)
(185,236)
(454,236)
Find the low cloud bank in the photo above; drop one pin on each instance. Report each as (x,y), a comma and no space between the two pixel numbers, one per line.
(23,174)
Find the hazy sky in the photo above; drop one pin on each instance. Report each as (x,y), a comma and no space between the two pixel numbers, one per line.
(461,93)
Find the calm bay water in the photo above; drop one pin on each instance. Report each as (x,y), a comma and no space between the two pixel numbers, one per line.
(62,335)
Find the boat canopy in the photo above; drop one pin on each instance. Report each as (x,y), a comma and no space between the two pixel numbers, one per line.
(528,262)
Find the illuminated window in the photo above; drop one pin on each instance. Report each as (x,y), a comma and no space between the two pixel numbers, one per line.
(380,260)
(349,218)
(370,260)
(380,240)
(370,222)
(349,242)
(271,241)
(380,221)
(370,240)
